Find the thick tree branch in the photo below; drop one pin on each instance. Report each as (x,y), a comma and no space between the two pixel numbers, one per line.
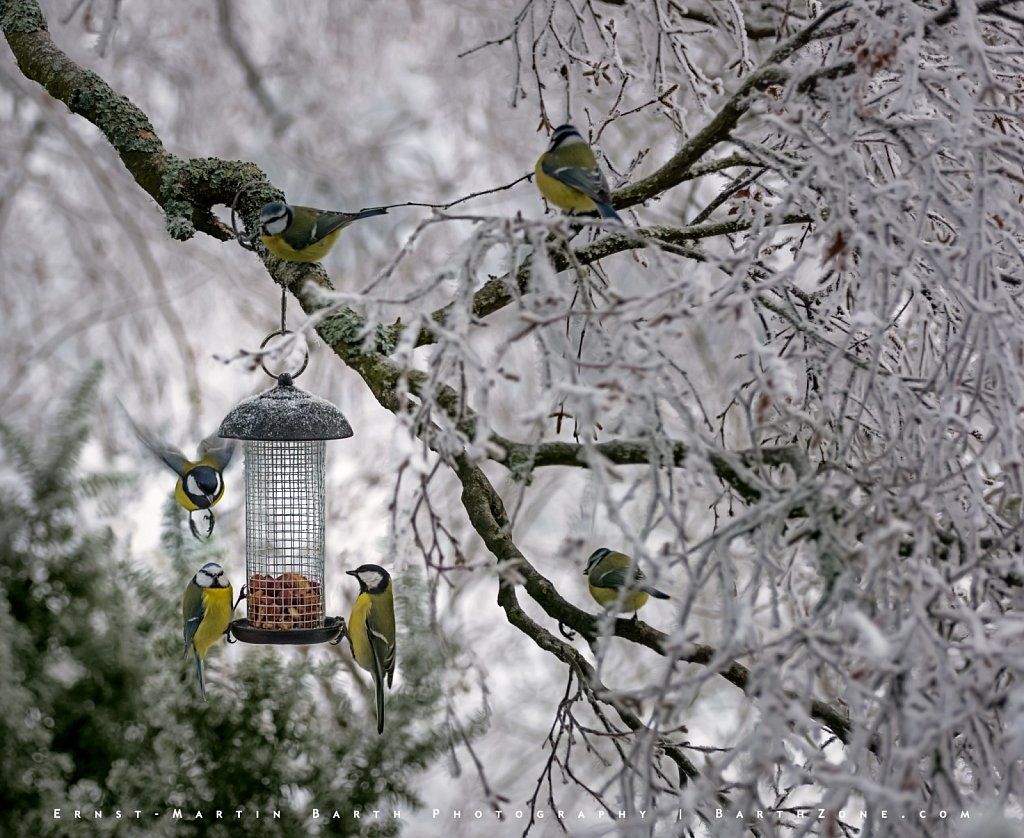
(186,190)
(521,458)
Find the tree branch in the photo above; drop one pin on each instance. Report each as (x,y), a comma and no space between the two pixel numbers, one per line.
(496,292)
(186,190)
(521,458)
(771,72)
(487,515)
(588,676)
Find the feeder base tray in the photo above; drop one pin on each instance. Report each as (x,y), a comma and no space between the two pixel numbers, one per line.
(332,629)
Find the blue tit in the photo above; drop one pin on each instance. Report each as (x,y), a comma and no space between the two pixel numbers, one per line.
(201,481)
(608,572)
(568,175)
(371,629)
(304,234)
(206,608)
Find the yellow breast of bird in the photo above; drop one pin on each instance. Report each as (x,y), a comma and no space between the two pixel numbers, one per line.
(358,634)
(608,596)
(314,253)
(562,196)
(217,603)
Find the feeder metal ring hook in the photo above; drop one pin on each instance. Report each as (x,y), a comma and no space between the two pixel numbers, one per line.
(263,363)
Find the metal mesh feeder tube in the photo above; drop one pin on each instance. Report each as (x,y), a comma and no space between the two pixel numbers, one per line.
(284,432)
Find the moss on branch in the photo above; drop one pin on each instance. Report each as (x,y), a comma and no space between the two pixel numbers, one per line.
(186,190)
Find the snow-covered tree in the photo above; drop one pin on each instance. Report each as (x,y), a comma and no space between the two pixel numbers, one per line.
(788,387)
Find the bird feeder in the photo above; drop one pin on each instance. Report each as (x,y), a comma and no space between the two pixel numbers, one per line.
(284,431)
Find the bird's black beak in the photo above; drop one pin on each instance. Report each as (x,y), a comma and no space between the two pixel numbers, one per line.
(351,573)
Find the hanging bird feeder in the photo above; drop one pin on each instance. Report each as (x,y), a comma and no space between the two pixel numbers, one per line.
(284,431)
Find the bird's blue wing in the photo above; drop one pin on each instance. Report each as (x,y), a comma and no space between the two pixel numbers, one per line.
(383,653)
(192,609)
(327,222)
(588,181)
(614,578)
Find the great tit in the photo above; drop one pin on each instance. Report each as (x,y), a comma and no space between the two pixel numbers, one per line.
(568,176)
(608,573)
(304,234)
(200,482)
(206,609)
(371,629)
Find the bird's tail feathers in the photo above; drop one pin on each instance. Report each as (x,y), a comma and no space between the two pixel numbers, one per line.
(378,686)
(201,675)
(369,213)
(607,211)
(654,592)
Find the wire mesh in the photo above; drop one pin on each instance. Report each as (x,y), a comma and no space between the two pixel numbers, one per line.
(284,521)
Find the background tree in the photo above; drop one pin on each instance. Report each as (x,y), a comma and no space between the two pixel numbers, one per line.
(789,387)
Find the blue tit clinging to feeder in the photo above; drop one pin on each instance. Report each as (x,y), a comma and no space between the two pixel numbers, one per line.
(371,629)
(607,573)
(568,175)
(305,234)
(201,481)
(206,608)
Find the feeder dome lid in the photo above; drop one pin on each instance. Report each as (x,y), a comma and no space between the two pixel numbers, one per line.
(285,414)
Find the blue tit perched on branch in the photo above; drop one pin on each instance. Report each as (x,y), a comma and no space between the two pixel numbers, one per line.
(206,608)
(304,234)
(568,175)
(371,629)
(608,573)
(201,481)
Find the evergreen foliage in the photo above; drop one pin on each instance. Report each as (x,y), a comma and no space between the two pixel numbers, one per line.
(101,711)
